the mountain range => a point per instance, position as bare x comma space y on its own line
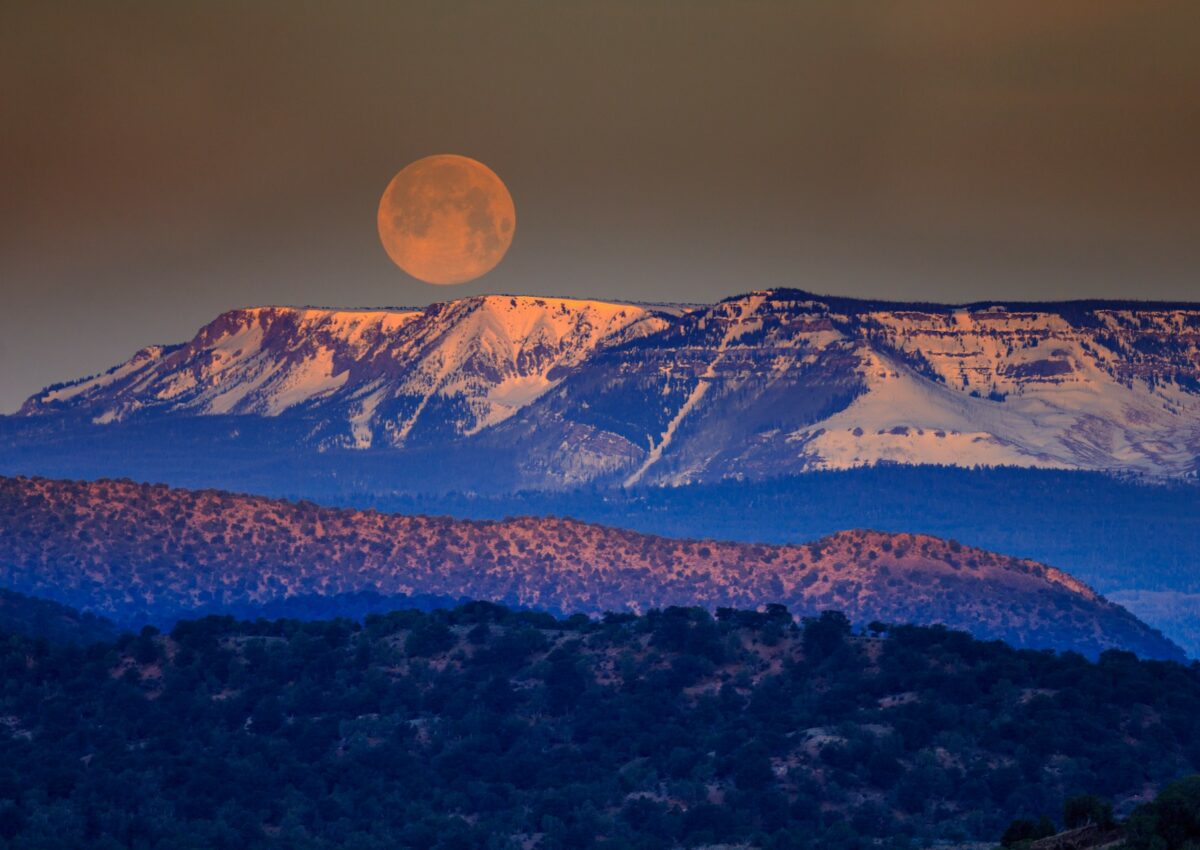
141, 551
503, 393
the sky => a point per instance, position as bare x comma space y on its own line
163, 162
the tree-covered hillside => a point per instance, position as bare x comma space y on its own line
481, 727
1137, 542
159, 553
29, 616
1113, 533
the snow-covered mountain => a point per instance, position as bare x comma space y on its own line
376, 375
780, 382
769, 383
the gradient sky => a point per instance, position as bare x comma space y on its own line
162, 162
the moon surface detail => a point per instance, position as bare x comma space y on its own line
446, 219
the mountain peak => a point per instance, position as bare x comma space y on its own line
486, 356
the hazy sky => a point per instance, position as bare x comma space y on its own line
162, 162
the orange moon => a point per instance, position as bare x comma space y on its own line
446, 219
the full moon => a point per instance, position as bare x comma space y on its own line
446, 219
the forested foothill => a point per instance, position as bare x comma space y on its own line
152, 553
484, 727
1171, 821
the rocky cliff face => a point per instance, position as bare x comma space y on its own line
770, 383
139, 550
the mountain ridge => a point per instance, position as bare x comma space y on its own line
136, 550
576, 391
270, 360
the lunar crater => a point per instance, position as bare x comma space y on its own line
446, 219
